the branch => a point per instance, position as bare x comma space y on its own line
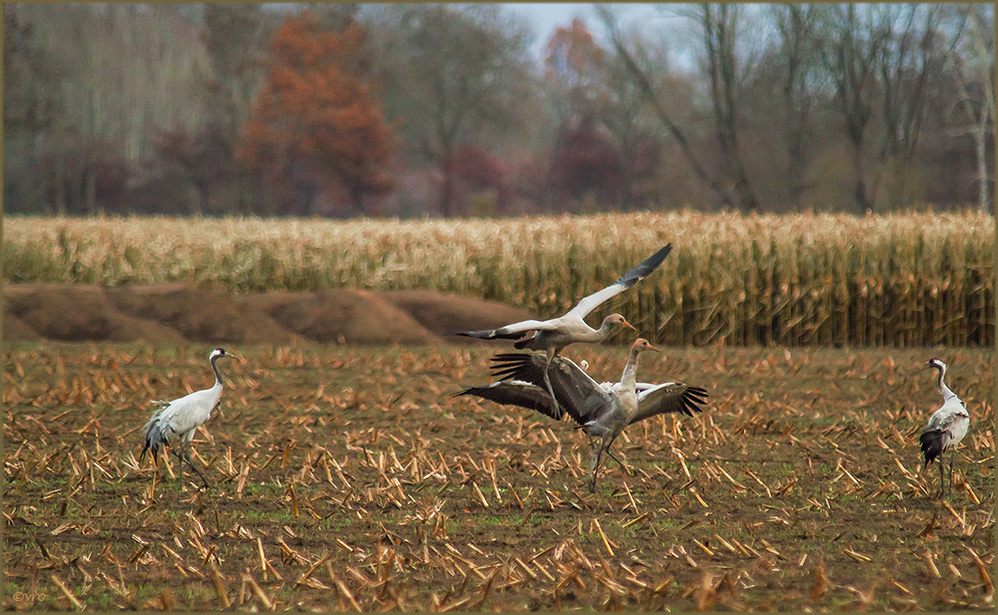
648, 93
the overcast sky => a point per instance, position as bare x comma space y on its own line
546, 17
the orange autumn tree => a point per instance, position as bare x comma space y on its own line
314, 124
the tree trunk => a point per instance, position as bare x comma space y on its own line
980, 143
649, 94
90, 187
60, 184
447, 190
860, 198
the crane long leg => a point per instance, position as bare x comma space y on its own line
197, 471
594, 465
952, 457
612, 456
942, 481
180, 458
617, 460
598, 460
187, 457
547, 380
184, 456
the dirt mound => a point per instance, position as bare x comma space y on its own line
16, 330
209, 316
351, 317
445, 314
74, 313
176, 312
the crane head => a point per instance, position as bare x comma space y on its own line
616, 320
219, 353
936, 364
641, 344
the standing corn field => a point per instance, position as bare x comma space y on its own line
899, 280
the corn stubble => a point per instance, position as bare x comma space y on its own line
348, 479
898, 280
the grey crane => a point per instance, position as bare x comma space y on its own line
555, 334
602, 411
176, 421
947, 427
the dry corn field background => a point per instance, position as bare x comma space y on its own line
830, 280
348, 478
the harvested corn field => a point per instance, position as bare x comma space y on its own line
348, 478
830, 280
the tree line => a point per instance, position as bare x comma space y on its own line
417, 110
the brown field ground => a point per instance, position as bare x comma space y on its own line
348, 478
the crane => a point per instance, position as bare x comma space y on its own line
602, 411
947, 427
555, 334
181, 417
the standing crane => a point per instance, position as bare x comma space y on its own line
181, 417
555, 334
947, 427
602, 411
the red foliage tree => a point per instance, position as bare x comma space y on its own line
575, 66
315, 124
586, 161
476, 170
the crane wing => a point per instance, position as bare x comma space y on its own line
629, 279
943, 418
516, 393
510, 332
670, 397
186, 413
578, 394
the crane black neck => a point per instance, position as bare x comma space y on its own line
941, 373
218, 374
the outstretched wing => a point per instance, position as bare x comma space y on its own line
515, 393
629, 279
670, 397
509, 332
577, 393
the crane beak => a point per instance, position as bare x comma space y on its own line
650, 347
628, 325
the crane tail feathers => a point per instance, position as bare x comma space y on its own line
155, 438
931, 442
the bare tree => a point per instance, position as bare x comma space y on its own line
626, 116
911, 60
796, 60
642, 74
853, 40
235, 38
973, 69
459, 71
719, 35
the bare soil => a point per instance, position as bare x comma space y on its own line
350, 478
173, 313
